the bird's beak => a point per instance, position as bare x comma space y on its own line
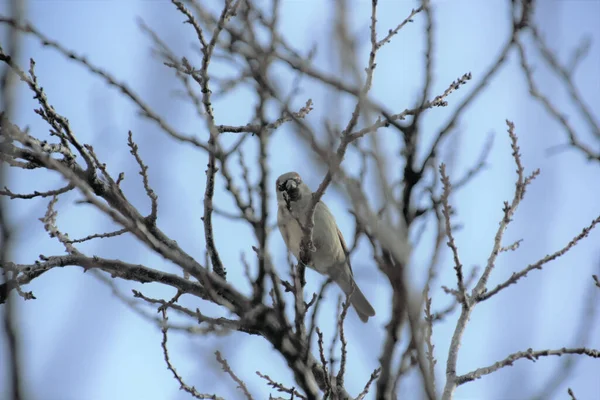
291, 184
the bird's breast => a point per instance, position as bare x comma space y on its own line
291, 231
328, 250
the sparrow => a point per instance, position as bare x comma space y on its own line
330, 255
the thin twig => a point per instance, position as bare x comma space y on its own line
528, 354
539, 264
227, 369
182, 385
447, 211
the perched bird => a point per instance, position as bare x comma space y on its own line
331, 253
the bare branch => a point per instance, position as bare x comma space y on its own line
480, 287
344, 342
203, 79
49, 193
109, 79
98, 236
372, 378
281, 388
528, 354
182, 385
551, 109
227, 369
447, 211
428, 341
144, 173
539, 264
509, 210
392, 32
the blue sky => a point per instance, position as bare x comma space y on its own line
79, 341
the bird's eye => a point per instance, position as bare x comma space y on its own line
281, 187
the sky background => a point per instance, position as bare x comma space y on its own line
79, 341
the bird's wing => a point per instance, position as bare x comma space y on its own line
345, 248
324, 207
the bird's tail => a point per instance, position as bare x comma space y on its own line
358, 300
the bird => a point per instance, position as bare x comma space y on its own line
330, 255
